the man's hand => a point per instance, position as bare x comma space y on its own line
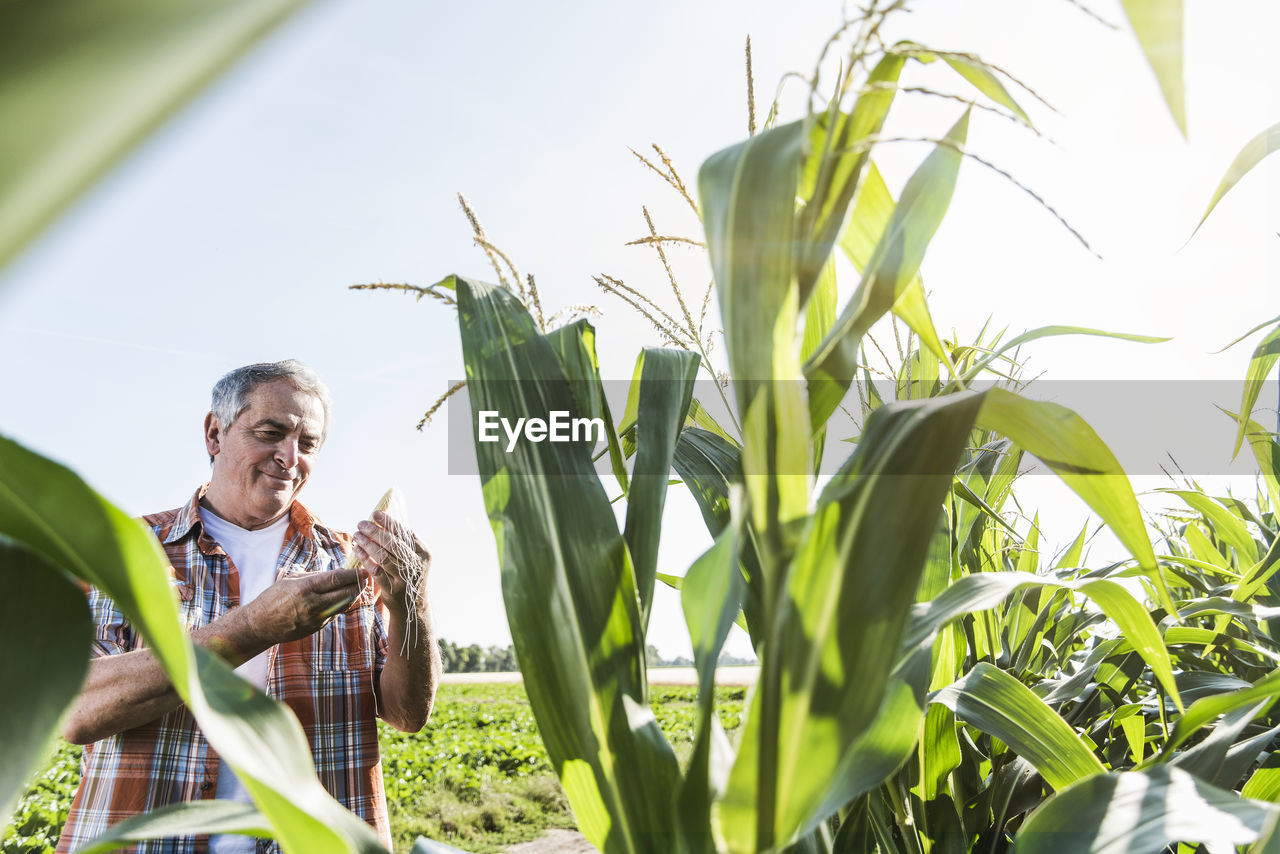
397, 560
296, 607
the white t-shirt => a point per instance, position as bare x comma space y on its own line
254, 555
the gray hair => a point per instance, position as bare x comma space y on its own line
231, 393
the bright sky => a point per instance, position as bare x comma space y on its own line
332, 155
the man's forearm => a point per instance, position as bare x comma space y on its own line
411, 673
130, 689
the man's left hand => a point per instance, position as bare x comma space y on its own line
393, 555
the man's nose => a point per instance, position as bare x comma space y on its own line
287, 453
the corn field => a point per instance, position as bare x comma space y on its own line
930, 681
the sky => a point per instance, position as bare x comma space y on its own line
332, 155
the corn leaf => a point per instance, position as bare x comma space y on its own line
84, 83
569, 587
1000, 705
892, 268
984, 77
53, 512
982, 591
41, 610
666, 386
699, 417
1227, 527
422, 845
1260, 365
1141, 812
709, 597
1264, 783
709, 466
575, 347
1206, 709
1047, 332
843, 619
1158, 26
1266, 450
1223, 757
1065, 443
748, 201
819, 311
872, 213
838, 152
1254, 151
193, 817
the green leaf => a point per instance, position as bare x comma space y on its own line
1158, 26
699, 417
1206, 709
888, 273
1266, 451
981, 591
838, 153
86, 83
819, 311
1066, 443
1219, 759
40, 611
1000, 705
709, 597
1226, 526
47, 507
1265, 143
666, 386
824, 676
748, 201
1048, 332
182, 819
986, 82
709, 465
575, 346
984, 77
569, 587
872, 213
429, 846
1264, 783
1140, 812
1260, 365
1074, 553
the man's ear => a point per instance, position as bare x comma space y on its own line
212, 434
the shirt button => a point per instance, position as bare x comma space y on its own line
206, 786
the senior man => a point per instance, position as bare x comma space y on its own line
260, 580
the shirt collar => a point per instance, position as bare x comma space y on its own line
301, 523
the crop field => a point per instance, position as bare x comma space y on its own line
477, 776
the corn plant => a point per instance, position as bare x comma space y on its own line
925, 684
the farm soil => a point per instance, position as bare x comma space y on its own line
554, 842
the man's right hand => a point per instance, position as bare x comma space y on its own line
128, 689
297, 606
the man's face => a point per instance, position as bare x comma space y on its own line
262, 460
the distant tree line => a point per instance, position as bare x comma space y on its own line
502, 659
725, 659
477, 659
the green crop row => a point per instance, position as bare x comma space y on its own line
479, 748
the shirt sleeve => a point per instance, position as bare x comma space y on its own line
380, 616
112, 633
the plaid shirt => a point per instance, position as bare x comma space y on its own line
325, 679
